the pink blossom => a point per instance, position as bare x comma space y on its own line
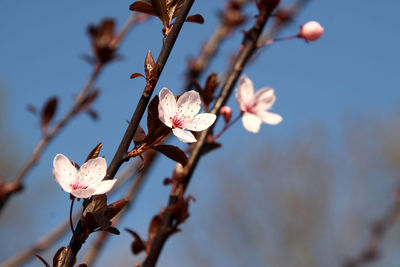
85, 182
226, 111
182, 115
255, 105
311, 31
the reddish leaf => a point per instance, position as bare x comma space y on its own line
160, 6
208, 147
138, 245
47, 113
150, 67
95, 152
112, 230
114, 208
197, 18
153, 228
139, 136
101, 38
135, 75
98, 203
172, 152
59, 257
143, 7
42, 260
157, 130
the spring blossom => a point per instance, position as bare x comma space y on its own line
311, 31
85, 182
255, 105
182, 115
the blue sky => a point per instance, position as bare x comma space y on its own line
352, 71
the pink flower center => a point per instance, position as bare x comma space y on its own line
249, 109
177, 122
76, 186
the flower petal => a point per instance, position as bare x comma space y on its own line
83, 193
64, 172
200, 122
264, 99
92, 172
251, 122
104, 187
184, 136
269, 117
188, 104
245, 93
166, 106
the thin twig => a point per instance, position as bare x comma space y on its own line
248, 47
208, 51
80, 99
377, 233
120, 155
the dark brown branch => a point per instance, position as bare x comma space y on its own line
249, 46
169, 41
79, 101
378, 232
120, 156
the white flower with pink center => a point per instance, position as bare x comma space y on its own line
85, 182
182, 115
255, 105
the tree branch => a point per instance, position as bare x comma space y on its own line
248, 47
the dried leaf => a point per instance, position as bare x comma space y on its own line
47, 113
197, 18
95, 152
172, 152
42, 260
136, 74
59, 256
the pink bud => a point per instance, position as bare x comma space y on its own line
226, 111
311, 31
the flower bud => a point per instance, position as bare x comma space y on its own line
226, 111
311, 31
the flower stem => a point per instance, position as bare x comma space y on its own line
227, 126
70, 214
268, 42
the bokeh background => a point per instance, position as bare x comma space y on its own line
303, 193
